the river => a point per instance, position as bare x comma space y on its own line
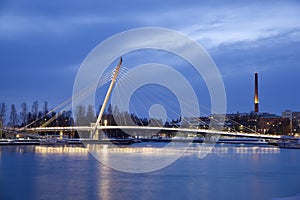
227, 172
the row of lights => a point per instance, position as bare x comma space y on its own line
60, 150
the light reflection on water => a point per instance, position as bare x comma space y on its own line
140, 158
149, 150
228, 172
194, 149
61, 150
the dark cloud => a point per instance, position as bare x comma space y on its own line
43, 43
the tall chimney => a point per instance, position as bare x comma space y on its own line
256, 93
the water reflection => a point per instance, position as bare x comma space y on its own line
137, 159
143, 151
222, 150
148, 157
257, 150
61, 150
49, 172
63, 168
105, 183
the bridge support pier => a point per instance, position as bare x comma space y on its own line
211, 138
96, 135
61, 134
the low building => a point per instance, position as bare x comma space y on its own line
267, 123
294, 118
296, 122
273, 125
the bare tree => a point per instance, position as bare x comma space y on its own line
80, 115
2, 112
35, 110
13, 116
23, 114
109, 109
46, 110
90, 115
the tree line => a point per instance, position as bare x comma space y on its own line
85, 115
33, 116
37, 115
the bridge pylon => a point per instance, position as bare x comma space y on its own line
113, 81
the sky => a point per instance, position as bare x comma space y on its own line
43, 43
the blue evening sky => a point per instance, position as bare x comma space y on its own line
42, 44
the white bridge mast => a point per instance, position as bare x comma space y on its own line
114, 78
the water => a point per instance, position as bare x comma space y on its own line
228, 172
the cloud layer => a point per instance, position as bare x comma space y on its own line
242, 37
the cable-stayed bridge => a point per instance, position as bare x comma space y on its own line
94, 129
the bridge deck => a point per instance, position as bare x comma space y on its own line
186, 130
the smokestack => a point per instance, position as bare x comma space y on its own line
256, 93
